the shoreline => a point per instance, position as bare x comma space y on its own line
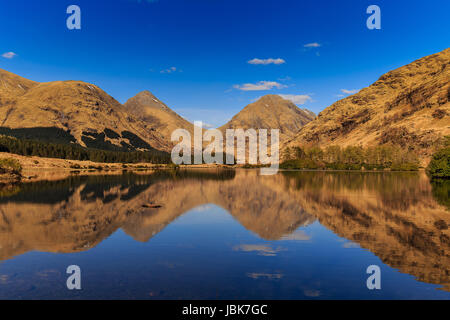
38, 168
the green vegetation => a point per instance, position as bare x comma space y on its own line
96, 140
441, 191
44, 134
111, 134
76, 152
350, 158
439, 166
136, 141
92, 140
253, 166
10, 165
98, 186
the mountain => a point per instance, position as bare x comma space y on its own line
71, 112
271, 112
146, 107
12, 85
407, 107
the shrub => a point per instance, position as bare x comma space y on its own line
439, 114
12, 165
439, 166
407, 166
441, 191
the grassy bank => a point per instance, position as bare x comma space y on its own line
350, 158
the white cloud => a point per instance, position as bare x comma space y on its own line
169, 70
260, 249
267, 61
311, 293
312, 45
298, 235
269, 276
297, 98
260, 86
9, 55
204, 207
352, 91
349, 245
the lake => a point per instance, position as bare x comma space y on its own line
226, 234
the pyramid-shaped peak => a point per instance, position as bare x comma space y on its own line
144, 93
270, 97
146, 99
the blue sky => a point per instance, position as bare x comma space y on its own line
194, 54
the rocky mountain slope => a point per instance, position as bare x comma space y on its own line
271, 112
71, 112
146, 107
408, 107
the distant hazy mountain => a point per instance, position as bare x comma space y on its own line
271, 112
408, 107
71, 112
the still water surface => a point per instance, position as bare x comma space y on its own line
227, 234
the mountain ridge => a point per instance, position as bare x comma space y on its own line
408, 107
76, 107
271, 112
150, 109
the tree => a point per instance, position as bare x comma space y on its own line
439, 166
299, 153
287, 154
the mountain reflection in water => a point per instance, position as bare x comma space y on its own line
399, 217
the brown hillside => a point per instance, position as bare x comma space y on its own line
409, 107
12, 85
82, 109
271, 112
146, 107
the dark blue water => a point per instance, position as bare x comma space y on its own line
226, 236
